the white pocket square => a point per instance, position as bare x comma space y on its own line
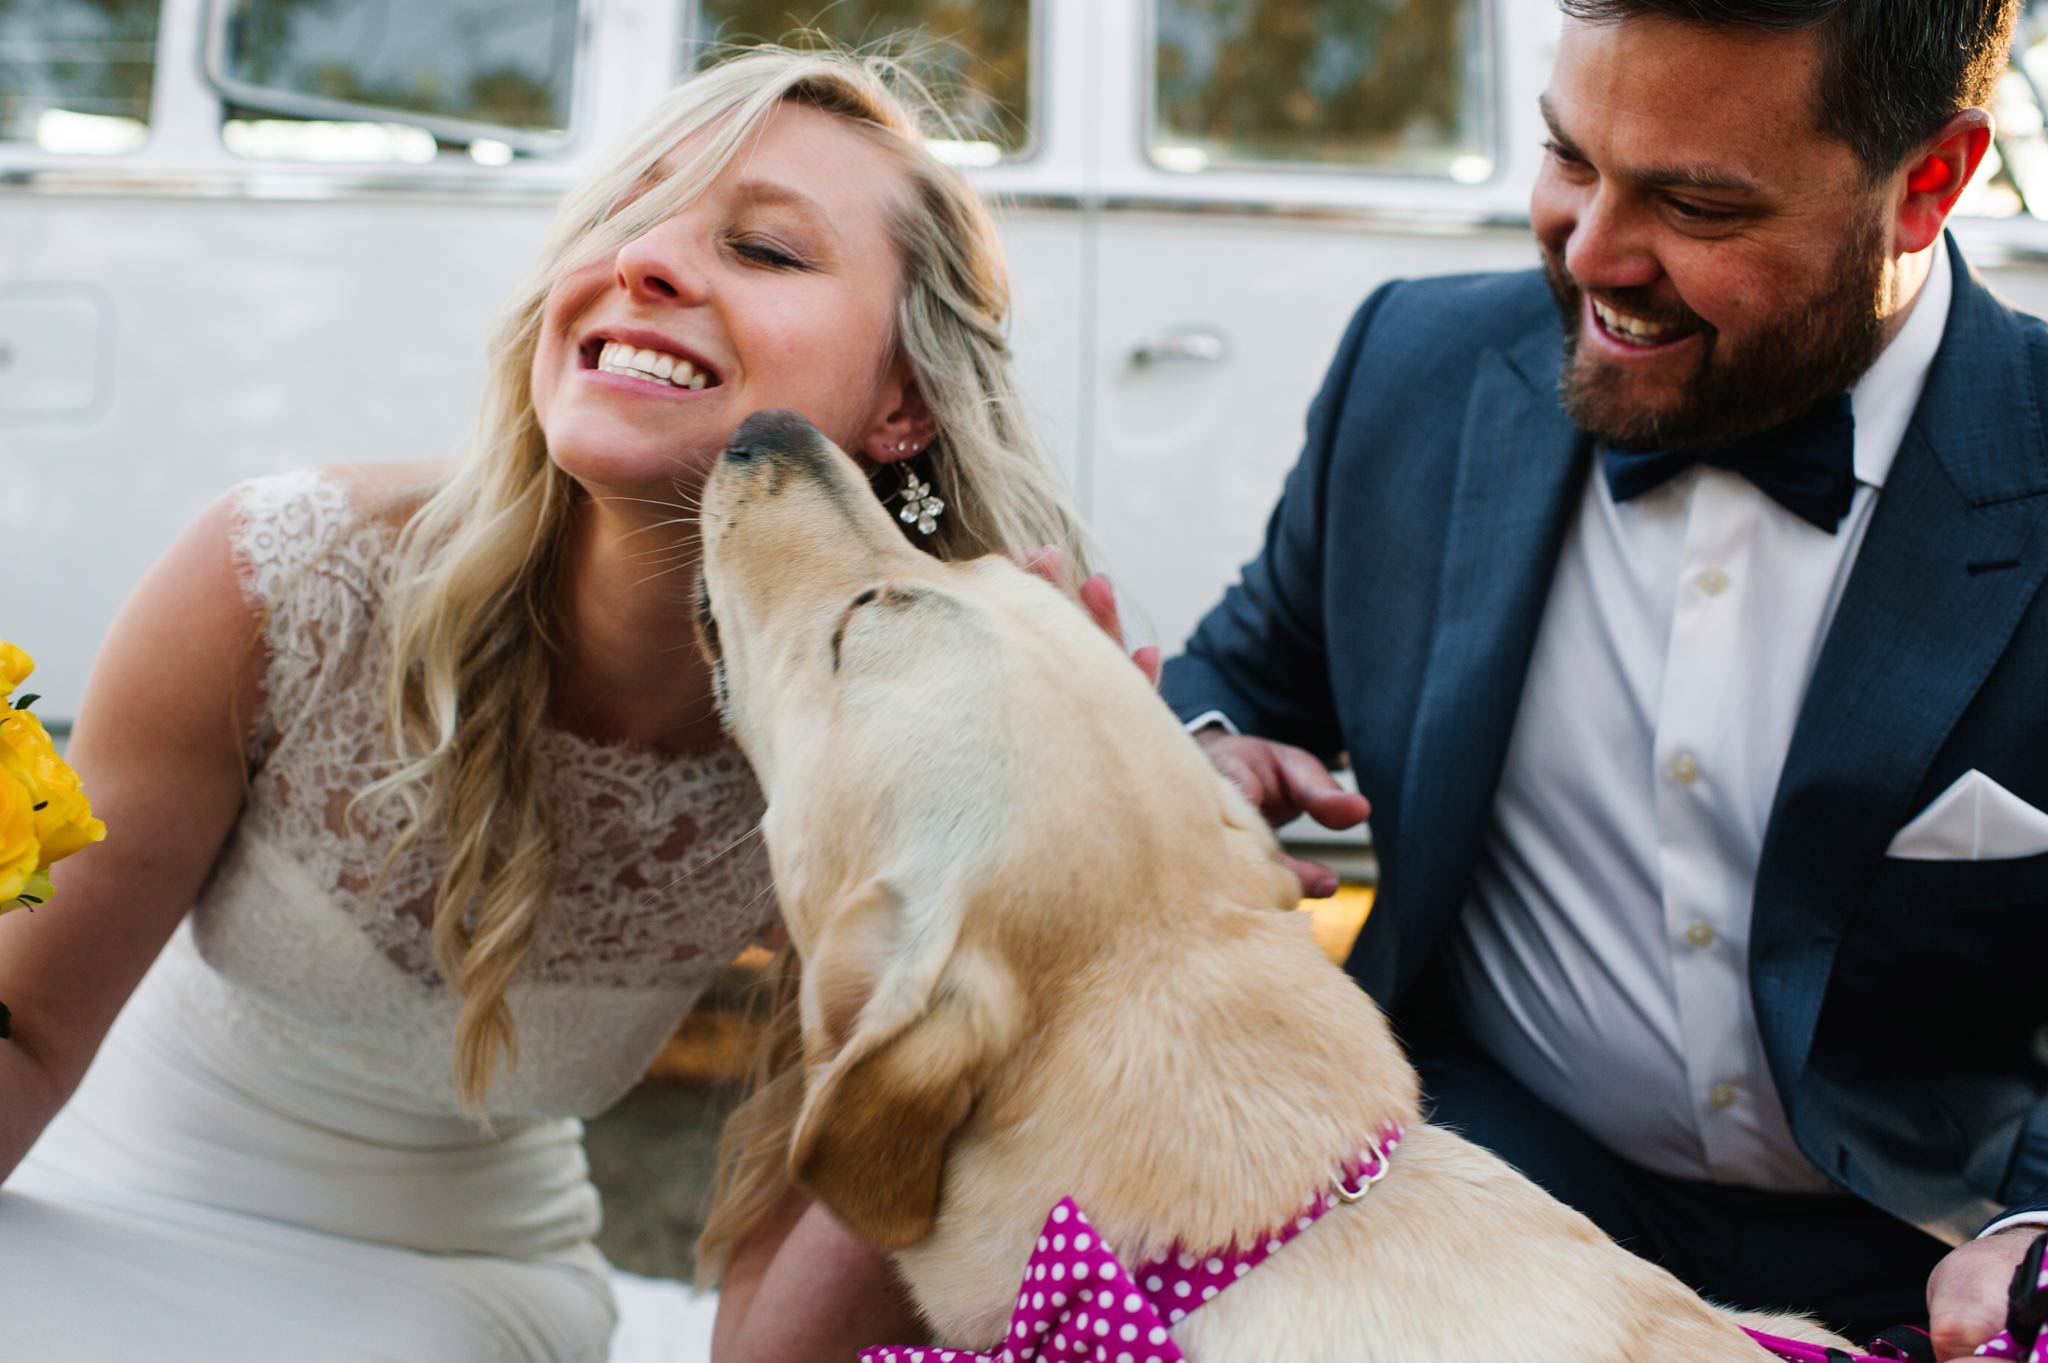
1976, 819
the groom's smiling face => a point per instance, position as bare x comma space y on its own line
1720, 263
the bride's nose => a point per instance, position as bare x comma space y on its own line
662, 266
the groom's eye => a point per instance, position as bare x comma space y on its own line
1701, 215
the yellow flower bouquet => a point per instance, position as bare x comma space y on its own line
44, 816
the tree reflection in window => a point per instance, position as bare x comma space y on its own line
1395, 84
503, 62
67, 63
975, 54
2013, 179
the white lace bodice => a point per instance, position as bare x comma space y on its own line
663, 878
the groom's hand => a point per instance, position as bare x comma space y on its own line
1284, 782
1966, 1296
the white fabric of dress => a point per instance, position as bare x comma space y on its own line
267, 1160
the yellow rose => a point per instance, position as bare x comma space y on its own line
62, 815
44, 815
15, 666
20, 851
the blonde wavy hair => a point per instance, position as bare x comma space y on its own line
473, 615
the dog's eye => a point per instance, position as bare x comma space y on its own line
839, 630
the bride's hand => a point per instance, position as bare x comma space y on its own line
1100, 599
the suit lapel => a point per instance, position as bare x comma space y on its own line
1948, 566
1520, 464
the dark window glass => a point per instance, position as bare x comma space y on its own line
976, 54
75, 75
507, 63
1398, 85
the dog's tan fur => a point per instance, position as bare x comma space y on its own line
1046, 955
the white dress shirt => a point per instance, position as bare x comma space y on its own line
1603, 953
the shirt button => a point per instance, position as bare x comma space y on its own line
1721, 1097
1683, 769
1713, 582
1700, 933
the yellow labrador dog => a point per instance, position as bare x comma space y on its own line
1047, 954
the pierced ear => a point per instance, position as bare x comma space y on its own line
906, 426
905, 1026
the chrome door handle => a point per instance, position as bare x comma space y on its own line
1197, 345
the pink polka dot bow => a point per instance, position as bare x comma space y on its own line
2003, 1345
1079, 1304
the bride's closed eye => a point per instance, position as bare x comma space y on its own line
763, 251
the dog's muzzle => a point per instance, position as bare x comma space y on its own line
774, 434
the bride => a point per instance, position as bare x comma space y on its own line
422, 833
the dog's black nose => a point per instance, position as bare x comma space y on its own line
777, 431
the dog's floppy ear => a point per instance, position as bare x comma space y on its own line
902, 1024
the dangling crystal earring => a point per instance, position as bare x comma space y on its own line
920, 508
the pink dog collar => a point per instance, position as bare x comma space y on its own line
1079, 1304
1799, 1351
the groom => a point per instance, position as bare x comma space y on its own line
1695, 659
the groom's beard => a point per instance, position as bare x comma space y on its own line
1812, 347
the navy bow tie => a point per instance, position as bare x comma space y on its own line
1807, 466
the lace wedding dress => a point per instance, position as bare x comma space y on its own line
267, 1159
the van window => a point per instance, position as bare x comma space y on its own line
975, 54
1388, 85
458, 69
2013, 181
75, 75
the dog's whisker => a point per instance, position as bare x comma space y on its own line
755, 900
654, 893
686, 541
751, 835
667, 557
662, 572
622, 497
685, 518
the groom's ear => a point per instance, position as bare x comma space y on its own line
902, 1026
1929, 182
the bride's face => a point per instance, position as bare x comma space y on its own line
776, 287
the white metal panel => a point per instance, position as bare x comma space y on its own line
2008, 256
1048, 339
54, 341
243, 337
1190, 454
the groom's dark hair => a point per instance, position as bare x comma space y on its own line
1892, 72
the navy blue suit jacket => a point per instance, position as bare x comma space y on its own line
1391, 615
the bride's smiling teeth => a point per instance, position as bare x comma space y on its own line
1632, 329
619, 358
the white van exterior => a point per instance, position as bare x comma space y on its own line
177, 314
